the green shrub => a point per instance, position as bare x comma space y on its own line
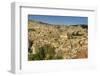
44, 52
31, 29
59, 57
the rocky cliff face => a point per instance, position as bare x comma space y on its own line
48, 41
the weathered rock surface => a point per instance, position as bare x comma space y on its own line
64, 42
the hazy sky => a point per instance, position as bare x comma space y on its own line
59, 19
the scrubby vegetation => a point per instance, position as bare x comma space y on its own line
48, 41
43, 52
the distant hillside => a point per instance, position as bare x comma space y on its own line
82, 25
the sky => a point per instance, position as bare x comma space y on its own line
65, 20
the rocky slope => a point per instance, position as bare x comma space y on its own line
48, 41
